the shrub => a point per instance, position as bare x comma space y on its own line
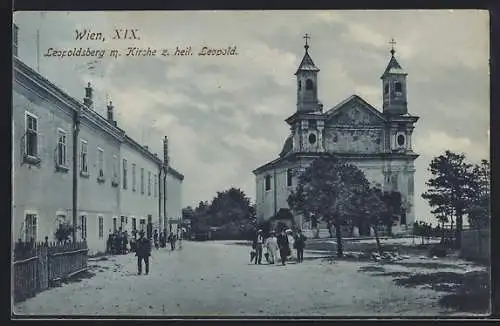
438, 251
64, 232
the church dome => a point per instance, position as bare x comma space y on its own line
287, 147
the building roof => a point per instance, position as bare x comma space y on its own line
288, 146
393, 68
307, 64
93, 115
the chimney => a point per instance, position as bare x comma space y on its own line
15, 32
146, 147
110, 112
165, 150
88, 96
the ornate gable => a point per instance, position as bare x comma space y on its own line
354, 111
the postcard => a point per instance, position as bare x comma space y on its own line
232, 164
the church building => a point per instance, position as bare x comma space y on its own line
378, 142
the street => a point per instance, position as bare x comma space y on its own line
217, 279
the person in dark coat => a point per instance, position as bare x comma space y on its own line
155, 239
171, 240
300, 244
143, 251
258, 243
283, 246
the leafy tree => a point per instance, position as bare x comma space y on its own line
378, 208
228, 206
451, 187
328, 189
479, 207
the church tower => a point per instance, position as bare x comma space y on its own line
394, 87
307, 83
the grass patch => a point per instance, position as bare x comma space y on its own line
393, 274
428, 265
371, 269
468, 292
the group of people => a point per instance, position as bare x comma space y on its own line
117, 243
161, 239
284, 243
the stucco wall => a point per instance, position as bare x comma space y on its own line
376, 171
134, 204
97, 198
40, 189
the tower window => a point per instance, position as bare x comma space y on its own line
386, 89
289, 176
312, 138
268, 182
300, 85
398, 87
401, 140
309, 84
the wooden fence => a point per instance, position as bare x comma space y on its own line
38, 266
476, 244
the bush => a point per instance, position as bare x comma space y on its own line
64, 232
438, 251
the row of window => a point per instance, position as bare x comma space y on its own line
31, 152
289, 179
31, 225
134, 179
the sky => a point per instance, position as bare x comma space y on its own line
224, 115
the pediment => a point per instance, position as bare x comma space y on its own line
354, 111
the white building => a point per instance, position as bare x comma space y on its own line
71, 164
378, 142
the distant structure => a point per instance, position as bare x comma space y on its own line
72, 164
380, 143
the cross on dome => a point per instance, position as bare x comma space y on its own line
306, 37
392, 43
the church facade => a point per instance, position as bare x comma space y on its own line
378, 142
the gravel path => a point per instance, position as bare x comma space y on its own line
216, 279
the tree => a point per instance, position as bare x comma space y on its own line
378, 208
327, 189
229, 206
451, 187
478, 210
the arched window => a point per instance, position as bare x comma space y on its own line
268, 182
309, 84
386, 89
300, 85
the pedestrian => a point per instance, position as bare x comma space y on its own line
258, 244
283, 246
143, 251
300, 244
171, 240
109, 243
272, 247
291, 242
155, 239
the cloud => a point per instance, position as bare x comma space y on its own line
224, 116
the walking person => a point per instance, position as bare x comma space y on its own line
272, 247
291, 242
258, 244
143, 251
300, 244
171, 240
283, 246
155, 239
